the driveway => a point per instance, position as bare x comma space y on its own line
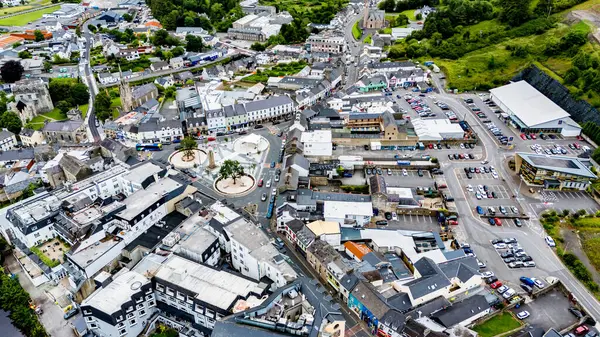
548, 311
52, 318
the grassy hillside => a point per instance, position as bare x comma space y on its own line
485, 54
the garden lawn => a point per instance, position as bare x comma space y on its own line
497, 325
10, 10
368, 39
84, 110
55, 114
410, 14
23, 19
37, 122
591, 245
356, 32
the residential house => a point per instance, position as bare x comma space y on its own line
463, 313
372, 83
130, 54
447, 279
158, 66
176, 62
107, 78
31, 138
165, 82
8, 140
168, 130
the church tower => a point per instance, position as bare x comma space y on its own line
365, 14
125, 92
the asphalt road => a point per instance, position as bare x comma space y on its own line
90, 81
478, 233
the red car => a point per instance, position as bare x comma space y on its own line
260, 183
496, 285
582, 330
533, 136
579, 138
498, 222
430, 146
212, 139
453, 222
523, 136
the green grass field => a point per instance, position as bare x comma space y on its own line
23, 19
10, 10
368, 39
474, 70
356, 32
497, 325
55, 114
410, 14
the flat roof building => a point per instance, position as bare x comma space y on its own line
532, 112
554, 172
437, 129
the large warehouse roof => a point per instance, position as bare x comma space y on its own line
437, 129
528, 104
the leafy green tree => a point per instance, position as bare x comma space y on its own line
92, 28
63, 106
188, 145
231, 169
178, 51
102, 106
80, 94
193, 43
189, 21
127, 17
11, 71
258, 46
24, 54
387, 5
39, 36
515, 12
11, 121
419, 16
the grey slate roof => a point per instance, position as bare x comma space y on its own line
370, 299
387, 65
464, 268
143, 90
13, 155
461, 311
268, 103
400, 301
299, 160
64, 126
26, 132
432, 279
394, 320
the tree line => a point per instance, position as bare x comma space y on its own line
15, 300
196, 13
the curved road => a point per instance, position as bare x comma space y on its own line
90, 81
479, 233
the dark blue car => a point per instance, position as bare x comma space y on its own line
491, 220
272, 164
480, 210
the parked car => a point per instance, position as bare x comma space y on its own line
550, 241
527, 288
496, 284
491, 280
523, 314
381, 223
576, 312
581, 330
71, 313
498, 222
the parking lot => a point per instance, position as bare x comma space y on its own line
548, 311
573, 201
413, 222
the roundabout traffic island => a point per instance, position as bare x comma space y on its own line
240, 186
183, 160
